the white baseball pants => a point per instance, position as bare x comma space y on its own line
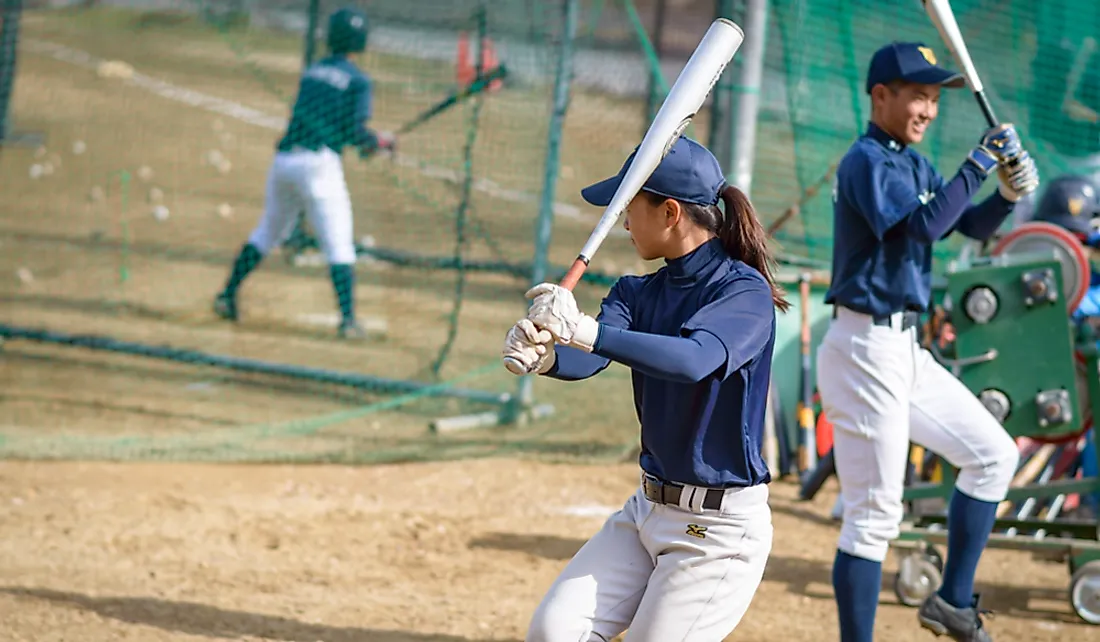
668, 573
881, 390
311, 182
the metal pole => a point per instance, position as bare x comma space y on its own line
652, 99
748, 100
311, 32
545, 222
721, 107
9, 37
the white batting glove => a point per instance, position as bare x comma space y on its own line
531, 347
1017, 177
555, 309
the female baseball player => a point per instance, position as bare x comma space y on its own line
878, 386
683, 558
333, 106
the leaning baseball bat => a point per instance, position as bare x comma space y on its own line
807, 447
684, 99
943, 17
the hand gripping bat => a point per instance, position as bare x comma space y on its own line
692, 86
943, 17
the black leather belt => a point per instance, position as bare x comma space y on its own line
909, 319
659, 491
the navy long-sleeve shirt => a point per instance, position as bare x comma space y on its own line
890, 206
698, 335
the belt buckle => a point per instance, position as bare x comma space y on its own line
656, 489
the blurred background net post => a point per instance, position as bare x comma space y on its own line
138, 135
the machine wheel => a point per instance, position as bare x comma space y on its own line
919, 575
1084, 592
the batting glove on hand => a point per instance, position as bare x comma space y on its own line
1018, 176
555, 309
998, 145
531, 347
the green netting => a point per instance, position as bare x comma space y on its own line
159, 120
1034, 58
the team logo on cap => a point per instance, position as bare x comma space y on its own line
1076, 205
928, 54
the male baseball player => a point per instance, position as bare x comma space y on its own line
683, 558
1073, 202
331, 112
878, 386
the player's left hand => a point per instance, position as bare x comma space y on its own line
1018, 176
554, 308
531, 347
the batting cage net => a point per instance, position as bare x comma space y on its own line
1038, 61
159, 121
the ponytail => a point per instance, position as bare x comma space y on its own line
740, 231
745, 239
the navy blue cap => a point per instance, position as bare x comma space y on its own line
912, 62
688, 173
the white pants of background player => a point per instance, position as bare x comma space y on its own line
311, 182
668, 573
881, 389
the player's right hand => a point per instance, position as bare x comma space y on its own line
531, 347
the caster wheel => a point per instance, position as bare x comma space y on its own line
1084, 592
932, 554
918, 576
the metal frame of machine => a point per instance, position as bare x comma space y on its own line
1044, 386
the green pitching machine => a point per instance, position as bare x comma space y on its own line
1017, 349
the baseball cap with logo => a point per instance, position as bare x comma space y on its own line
911, 62
688, 173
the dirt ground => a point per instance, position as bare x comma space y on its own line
400, 552
437, 552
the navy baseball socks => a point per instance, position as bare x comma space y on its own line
225, 305
953, 610
856, 584
343, 281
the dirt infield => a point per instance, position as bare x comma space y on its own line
437, 552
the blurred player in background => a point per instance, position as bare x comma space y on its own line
1073, 202
331, 112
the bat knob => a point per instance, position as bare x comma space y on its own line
515, 367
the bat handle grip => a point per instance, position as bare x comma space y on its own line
987, 109
573, 275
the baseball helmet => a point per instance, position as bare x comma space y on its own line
1071, 202
347, 31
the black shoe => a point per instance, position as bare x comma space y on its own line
963, 625
225, 306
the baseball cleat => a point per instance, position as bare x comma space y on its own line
963, 625
225, 307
